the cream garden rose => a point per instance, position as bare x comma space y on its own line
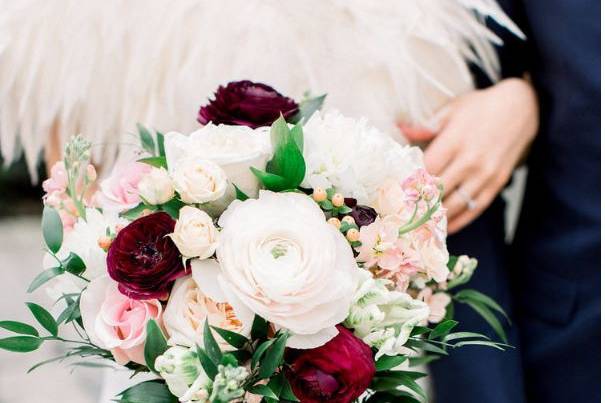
234, 148
189, 307
198, 180
156, 186
194, 233
281, 260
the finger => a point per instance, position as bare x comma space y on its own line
486, 197
454, 174
440, 152
416, 134
456, 203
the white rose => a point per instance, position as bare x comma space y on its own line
233, 148
189, 307
194, 233
354, 157
281, 260
199, 180
156, 186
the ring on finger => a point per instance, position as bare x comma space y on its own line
471, 203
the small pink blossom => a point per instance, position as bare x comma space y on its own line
57, 182
437, 303
381, 245
116, 322
119, 192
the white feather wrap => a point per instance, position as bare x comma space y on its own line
99, 66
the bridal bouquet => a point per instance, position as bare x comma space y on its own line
276, 254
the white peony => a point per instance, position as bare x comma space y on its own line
156, 186
194, 233
234, 148
281, 260
198, 180
384, 318
353, 156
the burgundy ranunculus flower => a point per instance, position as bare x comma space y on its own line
143, 259
245, 103
337, 372
363, 215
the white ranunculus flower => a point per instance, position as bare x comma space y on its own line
194, 233
353, 156
189, 307
384, 318
199, 180
281, 260
156, 186
233, 148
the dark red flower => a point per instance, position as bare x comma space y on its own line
363, 215
337, 372
245, 103
143, 259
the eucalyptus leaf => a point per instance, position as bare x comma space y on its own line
146, 139
44, 318
20, 344
44, 277
19, 327
52, 229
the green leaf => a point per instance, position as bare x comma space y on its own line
425, 346
326, 205
136, 212
239, 194
260, 327
256, 356
271, 181
20, 344
210, 345
442, 329
288, 161
70, 312
155, 344
44, 318
148, 392
488, 316
420, 330
173, 207
287, 392
18, 327
74, 264
45, 276
158, 162
160, 141
234, 339
274, 356
387, 362
344, 209
263, 390
477, 296
146, 139
307, 107
464, 335
52, 229
210, 367
229, 360
423, 360
297, 135
487, 343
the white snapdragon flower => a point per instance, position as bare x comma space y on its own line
342, 152
179, 367
383, 318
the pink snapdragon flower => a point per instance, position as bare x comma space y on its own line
437, 303
57, 182
119, 192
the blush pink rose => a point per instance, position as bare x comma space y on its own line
116, 322
120, 191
